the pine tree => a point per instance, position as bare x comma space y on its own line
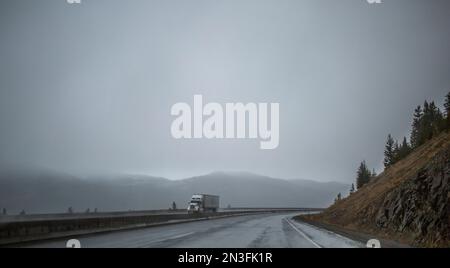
363, 175
415, 132
396, 157
403, 150
428, 122
440, 121
426, 128
426, 107
436, 120
405, 144
406, 147
352, 189
447, 104
389, 152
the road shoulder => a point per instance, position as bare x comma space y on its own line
353, 235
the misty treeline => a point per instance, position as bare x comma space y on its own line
428, 122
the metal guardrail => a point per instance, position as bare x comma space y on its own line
81, 215
90, 215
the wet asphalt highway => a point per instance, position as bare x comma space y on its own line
250, 231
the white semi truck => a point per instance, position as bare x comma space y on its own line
203, 203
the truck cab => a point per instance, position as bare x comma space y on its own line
195, 205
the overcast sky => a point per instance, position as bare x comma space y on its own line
90, 86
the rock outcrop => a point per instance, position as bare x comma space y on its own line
420, 206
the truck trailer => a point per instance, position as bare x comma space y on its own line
203, 203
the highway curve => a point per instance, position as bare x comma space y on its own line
251, 231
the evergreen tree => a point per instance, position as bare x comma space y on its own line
415, 132
426, 107
436, 120
352, 189
426, 128
440, 123
428, 122
406, 147
403, 150
396, 153
363, 175
389, 152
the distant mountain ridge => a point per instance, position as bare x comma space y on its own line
50, 192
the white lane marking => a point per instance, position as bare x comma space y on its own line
179, 236
358, 244
171, 238
302, 233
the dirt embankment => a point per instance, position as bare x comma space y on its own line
409, 202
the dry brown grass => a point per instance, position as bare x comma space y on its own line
358, 211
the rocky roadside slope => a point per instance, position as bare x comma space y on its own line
409, 202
